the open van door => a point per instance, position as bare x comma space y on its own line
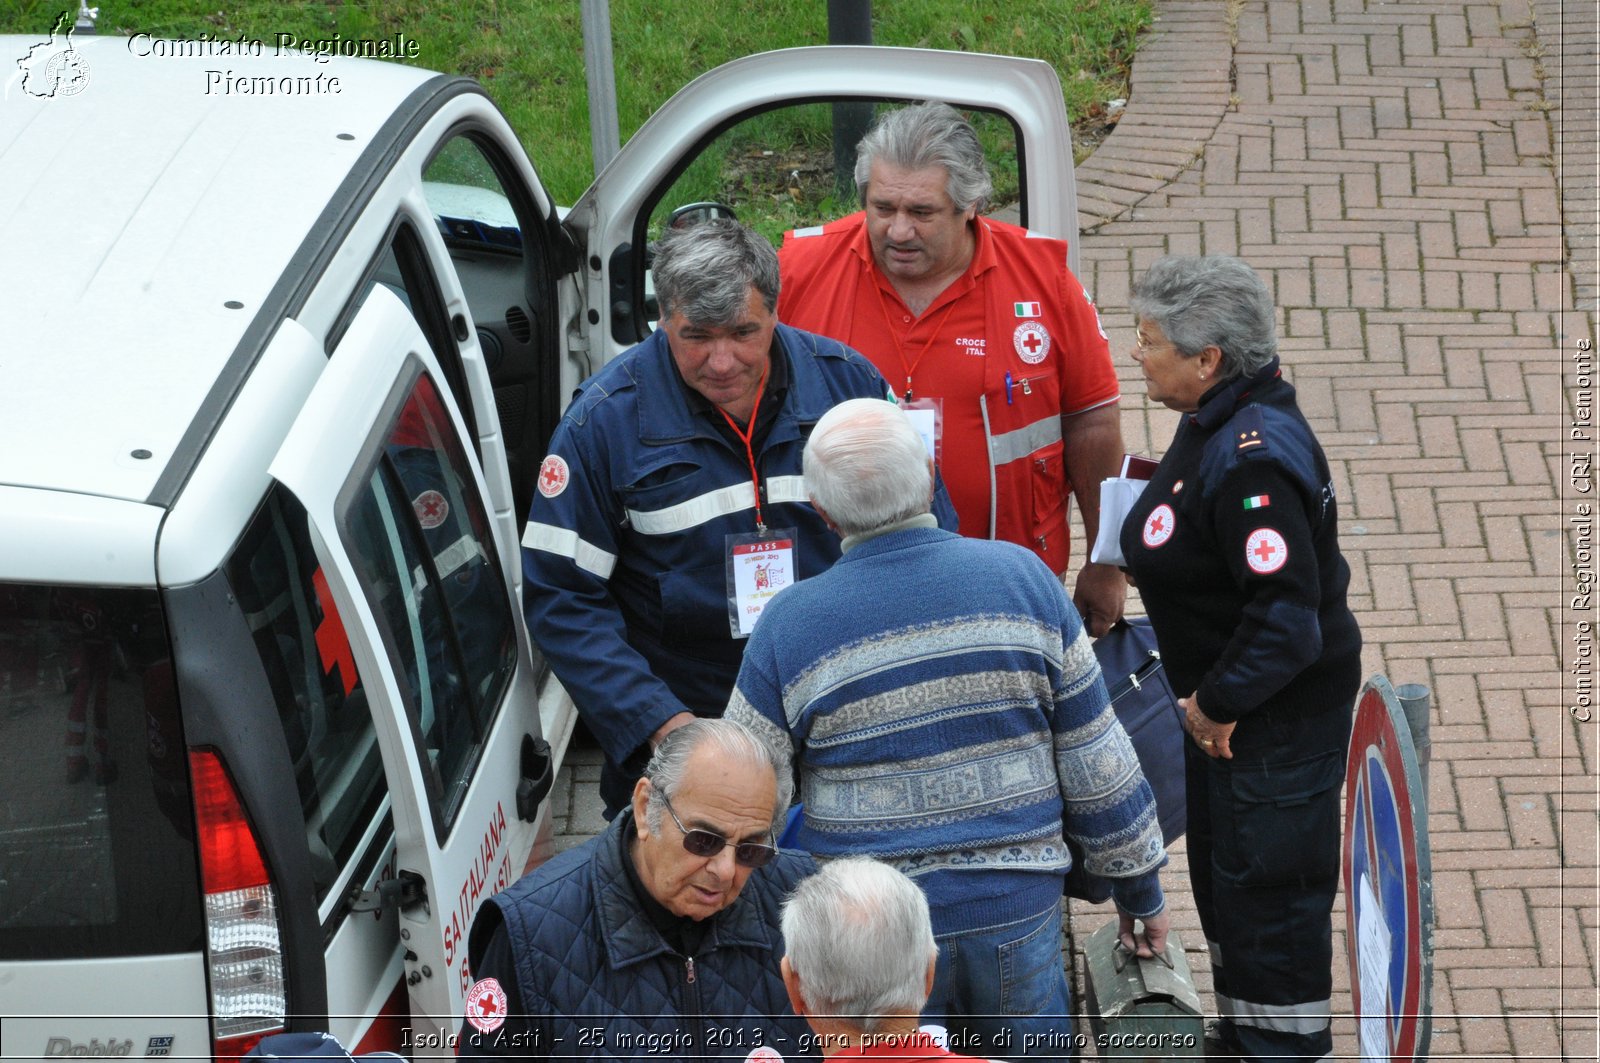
612, 219
396, 505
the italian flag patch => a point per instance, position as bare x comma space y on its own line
1027, 309
1257, 502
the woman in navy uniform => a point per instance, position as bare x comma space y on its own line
1234, 548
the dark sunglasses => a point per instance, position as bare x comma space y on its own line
706, 844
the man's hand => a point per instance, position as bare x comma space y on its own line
1210, 736
1151, 941
673, 723
1100, 595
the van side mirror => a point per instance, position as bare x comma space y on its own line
691, 214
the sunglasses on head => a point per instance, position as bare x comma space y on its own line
705, 844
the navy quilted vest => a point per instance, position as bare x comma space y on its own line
607, 986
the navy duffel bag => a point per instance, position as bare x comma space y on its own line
1145, 703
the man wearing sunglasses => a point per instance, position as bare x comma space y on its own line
660, 937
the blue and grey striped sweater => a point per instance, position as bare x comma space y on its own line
947, 714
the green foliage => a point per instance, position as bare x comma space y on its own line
529, 55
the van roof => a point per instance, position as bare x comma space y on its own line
150, 208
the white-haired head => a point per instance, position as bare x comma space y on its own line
866, 467
859, 944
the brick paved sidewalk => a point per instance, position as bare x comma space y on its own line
1392, 169
1400, 172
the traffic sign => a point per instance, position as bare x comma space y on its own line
1388, 882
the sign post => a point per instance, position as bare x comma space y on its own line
1388, 882
604, 139
849, 22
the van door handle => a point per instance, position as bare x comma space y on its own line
538, 777
405, 891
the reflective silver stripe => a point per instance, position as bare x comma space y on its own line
810, 230
449, 559
695, 512
1307, 1018
722, 502
1216, 953
565, 543
1010, 446
787, 489
988, 441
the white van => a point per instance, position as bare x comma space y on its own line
281, 343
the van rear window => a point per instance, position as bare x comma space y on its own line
322, 703
96, 829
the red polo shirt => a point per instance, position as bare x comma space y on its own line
910, 1048
944, 352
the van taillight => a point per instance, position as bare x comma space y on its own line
249, 997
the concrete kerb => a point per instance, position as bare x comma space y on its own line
1181, 87
1566, 37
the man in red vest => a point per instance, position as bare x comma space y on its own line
988, 340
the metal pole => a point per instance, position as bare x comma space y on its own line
604, 137
849, 22
1415, 699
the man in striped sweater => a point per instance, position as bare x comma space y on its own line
946, 715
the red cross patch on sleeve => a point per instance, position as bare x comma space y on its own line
553, 476
1158, 527
1265, 551
486, 1005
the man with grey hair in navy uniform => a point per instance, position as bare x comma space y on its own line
676, 468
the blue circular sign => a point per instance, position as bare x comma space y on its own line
1388, 881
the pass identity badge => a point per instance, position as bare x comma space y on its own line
759, 566
927, 417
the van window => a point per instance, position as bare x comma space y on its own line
501, 250
97, 851
777, 169
403, 267
322, 705
418, 535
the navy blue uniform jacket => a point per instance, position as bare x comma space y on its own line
1234, 546
624, 552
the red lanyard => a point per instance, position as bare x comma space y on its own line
910, 367
744, 437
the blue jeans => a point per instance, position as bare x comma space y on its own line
1001, 991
